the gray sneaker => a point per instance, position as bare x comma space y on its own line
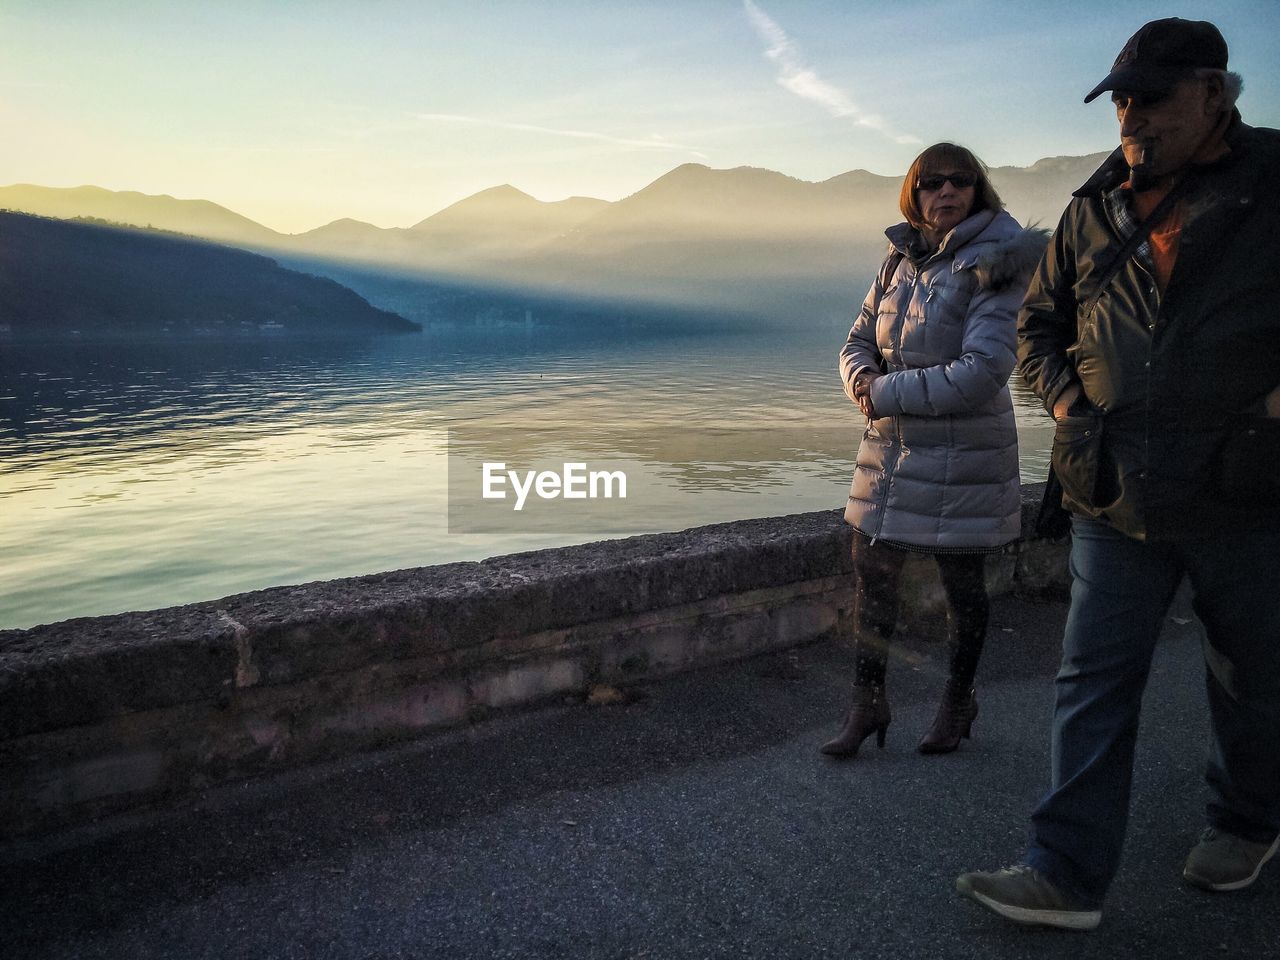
1223, 861
1024, 895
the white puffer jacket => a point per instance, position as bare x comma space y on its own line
937, 470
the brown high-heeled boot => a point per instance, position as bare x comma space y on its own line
869, 714
954, 720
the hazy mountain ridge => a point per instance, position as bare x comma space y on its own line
200, 218
758, 241
498, 224
63, 276
742, 239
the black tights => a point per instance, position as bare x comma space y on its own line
877, 571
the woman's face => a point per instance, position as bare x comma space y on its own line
944, 202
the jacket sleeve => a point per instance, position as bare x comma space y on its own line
970, 380
1047, 320
860, 351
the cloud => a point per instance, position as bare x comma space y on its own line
796, 76
655, 143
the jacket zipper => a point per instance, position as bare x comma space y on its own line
1156, 298
892, 464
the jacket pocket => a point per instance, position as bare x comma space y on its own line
1249, 462
1077, 456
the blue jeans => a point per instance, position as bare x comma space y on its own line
1120, 593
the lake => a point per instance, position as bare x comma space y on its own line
135, 476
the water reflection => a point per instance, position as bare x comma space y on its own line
141, 475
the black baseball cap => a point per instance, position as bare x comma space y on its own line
1162, 53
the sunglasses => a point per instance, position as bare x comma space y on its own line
934, 181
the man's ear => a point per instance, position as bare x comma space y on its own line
1215, 94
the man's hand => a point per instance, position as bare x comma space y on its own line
1273, 403
862, 392
1065, 400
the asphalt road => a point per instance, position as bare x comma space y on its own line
697, 821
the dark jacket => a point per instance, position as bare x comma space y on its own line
1167, 377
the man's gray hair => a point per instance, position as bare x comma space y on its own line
1232, 83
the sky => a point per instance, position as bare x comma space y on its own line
299, 113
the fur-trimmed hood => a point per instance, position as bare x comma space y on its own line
990, 243
1012, 260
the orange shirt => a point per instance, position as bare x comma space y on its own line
1165, 236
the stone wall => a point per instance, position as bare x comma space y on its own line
107, 713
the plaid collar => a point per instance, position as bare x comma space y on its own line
1117, 203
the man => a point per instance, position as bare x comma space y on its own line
1156, 361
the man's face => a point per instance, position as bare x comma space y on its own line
1174, 124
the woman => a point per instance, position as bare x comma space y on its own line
927, 363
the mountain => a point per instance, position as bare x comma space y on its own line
349, 240
1039, 193
696, 203
493, 226
757, 241
199, 218
61, 276
503, 221
745, 239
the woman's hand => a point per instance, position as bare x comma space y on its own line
862, 392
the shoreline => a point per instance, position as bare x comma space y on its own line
105, 714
